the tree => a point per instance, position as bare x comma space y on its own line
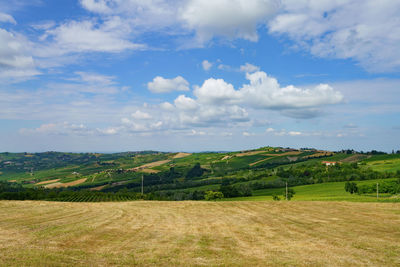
290, 193
196, 171
351, 187
276, 197
211, 195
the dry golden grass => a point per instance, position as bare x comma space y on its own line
48, 182
181, 155
58, 185
199, 234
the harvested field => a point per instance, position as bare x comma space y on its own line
199, 234
226, 157
354, 158
152, 164
292, 158
181, 155
290, 153
250, 153
48, 182
12, 181
97, 188
258, 161
58, 185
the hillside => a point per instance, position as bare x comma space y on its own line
188, 176
199, 234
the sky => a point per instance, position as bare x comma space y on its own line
199, 75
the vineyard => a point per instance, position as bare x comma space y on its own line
97, 197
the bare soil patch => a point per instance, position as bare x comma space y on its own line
152, 164
181, 155
48, 181
97, 188
58, 185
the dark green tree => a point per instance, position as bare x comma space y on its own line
351, 187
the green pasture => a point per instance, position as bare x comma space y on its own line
319, 192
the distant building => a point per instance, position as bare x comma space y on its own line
329, 163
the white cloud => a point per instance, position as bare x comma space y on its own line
90, 36
167, 106
140, 115
294, 133
206, 65
264, 92
227, 18
185, 103
163, 85
7, 18
97, 6
367, 31
247, 134
249, 68
59, 129
15, 61
216, 91
94, 78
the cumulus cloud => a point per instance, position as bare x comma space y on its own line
223, 18
163, 85
264, 92
216, 91
227, 18
367, 31
206, 65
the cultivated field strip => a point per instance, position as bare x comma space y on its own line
199, 234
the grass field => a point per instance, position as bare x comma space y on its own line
199, 234
319, 192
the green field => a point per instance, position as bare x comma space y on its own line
321, 192
250, 175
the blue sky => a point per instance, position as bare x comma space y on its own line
195, 75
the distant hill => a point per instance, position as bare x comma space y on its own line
180, 176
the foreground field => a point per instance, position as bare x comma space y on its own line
199, 233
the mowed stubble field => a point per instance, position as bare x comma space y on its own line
199, 234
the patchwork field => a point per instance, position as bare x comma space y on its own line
199, 234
